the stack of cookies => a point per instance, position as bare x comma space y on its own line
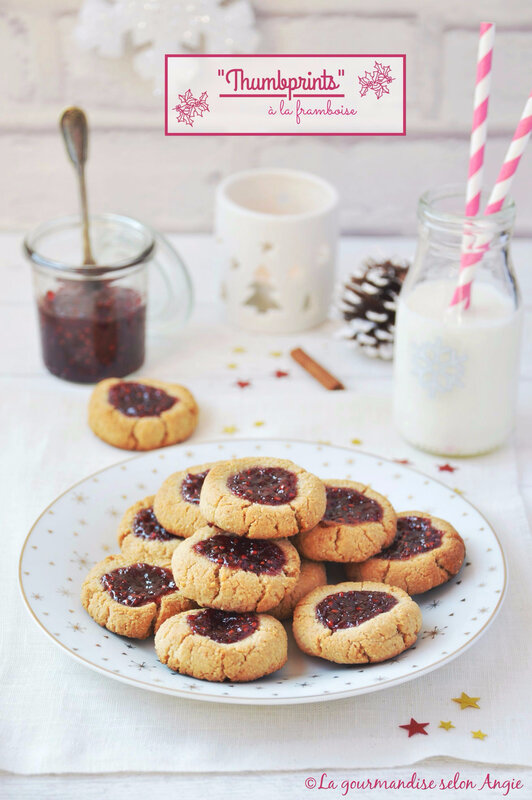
226, 550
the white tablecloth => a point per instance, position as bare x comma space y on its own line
59, 717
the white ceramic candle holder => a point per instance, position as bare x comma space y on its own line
277, 231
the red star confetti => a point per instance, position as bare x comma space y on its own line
446, 468
414, 727
281, 373
243, 384
401, 461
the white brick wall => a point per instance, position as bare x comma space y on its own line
170, 182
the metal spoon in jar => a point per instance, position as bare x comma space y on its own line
75, 130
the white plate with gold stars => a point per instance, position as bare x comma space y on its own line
79, 529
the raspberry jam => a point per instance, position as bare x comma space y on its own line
138, 584
346, 506
140, 400
225, 627
252, 555
191, 486
349, 609
414, 535
271, 486
91, 332
147, 526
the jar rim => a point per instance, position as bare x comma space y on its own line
428, 210
74, 220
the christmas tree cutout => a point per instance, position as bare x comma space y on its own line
261, 298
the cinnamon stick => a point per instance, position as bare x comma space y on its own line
316, 370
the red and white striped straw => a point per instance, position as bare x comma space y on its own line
496, 201
479, 133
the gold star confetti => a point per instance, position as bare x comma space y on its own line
266, 246
259, 423
356, 441
445, 725
466, 702
276, 353
479, 735
235, 263
457, 491
232, 366
80, 498
230, 429
239, 349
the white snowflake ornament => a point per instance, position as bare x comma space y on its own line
156, 27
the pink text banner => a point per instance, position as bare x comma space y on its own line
269, 95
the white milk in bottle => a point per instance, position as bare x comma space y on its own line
456, 369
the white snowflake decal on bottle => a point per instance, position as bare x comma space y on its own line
438, 367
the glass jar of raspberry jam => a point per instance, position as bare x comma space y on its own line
92, 319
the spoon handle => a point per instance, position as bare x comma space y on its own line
75, 130
88, 259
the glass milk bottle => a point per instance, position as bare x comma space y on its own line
456, 369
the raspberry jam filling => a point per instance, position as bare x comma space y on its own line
271, 486
349, 609
140, 400
260, 556
346, 506
90, 332
138, 584
191, 486
147, 526
414, 535
225, 627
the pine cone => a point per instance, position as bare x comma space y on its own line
368, 302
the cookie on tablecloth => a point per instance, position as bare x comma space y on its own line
312, 574
356, 623
132, 598
214, 645
177, 501
143, 414
263, 498
141, 535
426, 552
233, 573
358, 522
